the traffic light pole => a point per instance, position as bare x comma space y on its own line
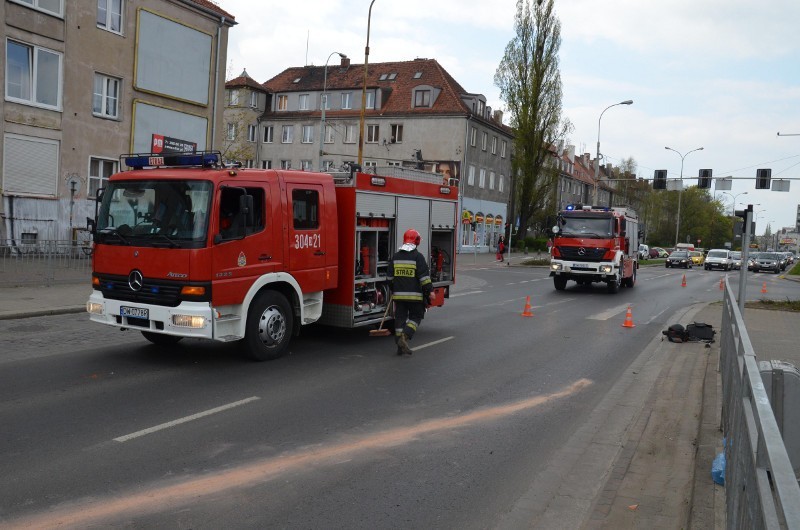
746, 229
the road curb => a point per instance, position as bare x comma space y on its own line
43, 312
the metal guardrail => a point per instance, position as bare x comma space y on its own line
761, 489
44, 262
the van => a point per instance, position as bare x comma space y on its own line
684, 246
718, 258
644, 252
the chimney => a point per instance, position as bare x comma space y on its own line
571, 153
498, 116
345, 62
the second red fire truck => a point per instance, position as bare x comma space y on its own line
185, 247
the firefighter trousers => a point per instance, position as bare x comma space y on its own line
407, 317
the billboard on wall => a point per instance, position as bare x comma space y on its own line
167, 144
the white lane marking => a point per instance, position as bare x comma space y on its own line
184, 419
657, 277
608, 313
454, 295
434, 343
655, 317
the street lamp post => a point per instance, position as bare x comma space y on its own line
597, 161
680, 191
364, 92
324, 104
734, 196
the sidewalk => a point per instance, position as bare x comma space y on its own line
661, 477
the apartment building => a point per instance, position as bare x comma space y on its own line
416, 115
86, 81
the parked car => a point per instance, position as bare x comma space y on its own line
644, 251
697, 257
767, 261
679, 258
658, 252
736, 258
718, 258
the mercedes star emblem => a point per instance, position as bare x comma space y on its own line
135, 280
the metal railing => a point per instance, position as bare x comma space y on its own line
44, 262
761, 489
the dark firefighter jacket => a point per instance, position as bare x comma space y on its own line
411, 280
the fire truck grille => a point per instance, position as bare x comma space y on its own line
152, 291
588, 254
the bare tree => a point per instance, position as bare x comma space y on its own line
530, 84
235, 145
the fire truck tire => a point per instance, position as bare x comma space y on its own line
159, 339
613, 285
559, 282
269, 326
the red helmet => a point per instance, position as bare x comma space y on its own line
412, 236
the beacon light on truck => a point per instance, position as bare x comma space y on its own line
200, 158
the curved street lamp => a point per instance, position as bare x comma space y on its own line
734, 196
364, 91
680, 191
324, 104
597, 161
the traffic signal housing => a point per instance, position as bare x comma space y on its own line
704, 179
762, 179
660, 179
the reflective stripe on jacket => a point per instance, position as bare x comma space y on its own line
408, 272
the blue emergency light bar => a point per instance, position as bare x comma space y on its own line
198, 159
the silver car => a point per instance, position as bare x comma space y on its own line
767, 261
736, 259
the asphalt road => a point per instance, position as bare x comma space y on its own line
100, 427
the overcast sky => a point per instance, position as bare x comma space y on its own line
722, 75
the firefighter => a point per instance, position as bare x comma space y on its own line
411, 289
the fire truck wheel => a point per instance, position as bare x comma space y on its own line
269, 326
560, 283
159, 339
613, 285
630, 282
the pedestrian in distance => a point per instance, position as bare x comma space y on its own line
501, 248
411, 289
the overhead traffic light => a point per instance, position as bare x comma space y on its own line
704, 180
660, 179
762, 178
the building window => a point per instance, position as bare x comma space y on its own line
397, 134
303, 101
482, 179
269, 134
306, 165
327, 165
105, 100
500, 183
491, 180
392, 163
248, 163
266, 164
231, 131
251, 133
33, 75
484, 141
422, 98
347, 100
503, 149
325, 101
329, 134
480, 108
308, 134
473, 136
471, 176
350, 135
373, 133
233, 97
288, 134
286, 164
254, 99
109, 15
53, 7
370, 100
370, 163
283, 102
494, 145
99, 171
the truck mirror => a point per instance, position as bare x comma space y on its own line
555, 230
91, 225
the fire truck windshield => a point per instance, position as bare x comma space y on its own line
155, 213
588, 226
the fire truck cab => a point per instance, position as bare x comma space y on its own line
185, 247
595, 244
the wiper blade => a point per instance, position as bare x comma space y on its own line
172, 242
110, 231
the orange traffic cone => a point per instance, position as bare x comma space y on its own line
527, 311
721, 284
764, 287
683, 283
628, 319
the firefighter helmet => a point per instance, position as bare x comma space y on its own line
412, 236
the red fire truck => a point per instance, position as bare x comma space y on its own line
595, 244
186, 247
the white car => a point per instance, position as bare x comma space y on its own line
718, 258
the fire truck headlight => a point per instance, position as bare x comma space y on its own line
188, 321
606, 269
556, 267
94, 308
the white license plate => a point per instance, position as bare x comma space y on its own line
581, 266
134, 312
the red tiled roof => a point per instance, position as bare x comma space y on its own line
397, 92
244, 80
211, 5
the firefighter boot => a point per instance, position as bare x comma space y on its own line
402, 345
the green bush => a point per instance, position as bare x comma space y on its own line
795, 270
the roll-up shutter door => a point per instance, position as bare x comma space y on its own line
414, 213
375, 205
30, 165
443, 214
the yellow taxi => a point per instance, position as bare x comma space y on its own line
697, 257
